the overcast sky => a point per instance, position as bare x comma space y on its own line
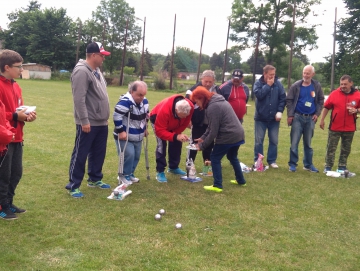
189, 22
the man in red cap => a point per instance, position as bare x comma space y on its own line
91, 113
236, 92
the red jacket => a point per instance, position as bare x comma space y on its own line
11, 96
6, 131
337, 101
167, 124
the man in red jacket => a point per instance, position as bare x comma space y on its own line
11, 165
344, 103
169, 119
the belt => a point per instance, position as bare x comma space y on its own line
305, 115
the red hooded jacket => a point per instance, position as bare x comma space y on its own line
337, 101
11, 96
167, 124
6, 131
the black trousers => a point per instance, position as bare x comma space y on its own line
174, 153
197, 132
10, 172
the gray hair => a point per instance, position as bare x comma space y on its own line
134, 85
310, 66
183, 106
208, 73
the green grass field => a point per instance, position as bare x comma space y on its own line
279, 221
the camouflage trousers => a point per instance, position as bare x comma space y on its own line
345, 147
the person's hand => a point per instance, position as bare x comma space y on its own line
322, 124
31, 116
270, 81
199, 140
314, 118
146, 133
290, 120
21, 115
197, 147
122, 135
182, 138
86, 128
189, 125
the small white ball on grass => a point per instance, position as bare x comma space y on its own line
157, 217
178, 226
162, 211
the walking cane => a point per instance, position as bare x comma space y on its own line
145, 143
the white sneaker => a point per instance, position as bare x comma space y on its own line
133, 178
274, 165
123, 180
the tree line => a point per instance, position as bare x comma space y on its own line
50, 37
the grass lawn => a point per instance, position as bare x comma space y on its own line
279, 221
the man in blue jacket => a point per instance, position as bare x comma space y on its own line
269, 106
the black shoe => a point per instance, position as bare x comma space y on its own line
17, 210
6, 213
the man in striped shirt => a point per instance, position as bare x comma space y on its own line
130, 117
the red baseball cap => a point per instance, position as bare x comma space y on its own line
96, 47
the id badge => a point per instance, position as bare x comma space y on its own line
142, 125
308, 104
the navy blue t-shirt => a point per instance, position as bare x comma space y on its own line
306, 101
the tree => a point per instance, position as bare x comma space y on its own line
41, 36
186, 59
233, 58
347, 60
276, 21
115, 14
260, 63
147, 67
216, 61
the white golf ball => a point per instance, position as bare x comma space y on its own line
116, 193
178, 226
162, 211
157, 217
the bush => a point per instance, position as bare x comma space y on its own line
60, 76
159, 82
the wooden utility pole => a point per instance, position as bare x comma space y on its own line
291, 45
333, 54
199, 63
225, 57
172, 55
78, 44
142, 54
256, 54
123, 55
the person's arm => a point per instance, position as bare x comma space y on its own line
323, 115
121, 109
260, 90
247, 92
80, 85
6, 136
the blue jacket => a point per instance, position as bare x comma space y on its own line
269, 99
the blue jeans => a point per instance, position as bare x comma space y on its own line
131, 155
217, 154
273, 134
301, 126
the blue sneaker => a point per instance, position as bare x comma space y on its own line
177, 171
160, 177
326, 169
292, 168
99, 184
311, 169
75, 193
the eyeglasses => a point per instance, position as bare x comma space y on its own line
19, 66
